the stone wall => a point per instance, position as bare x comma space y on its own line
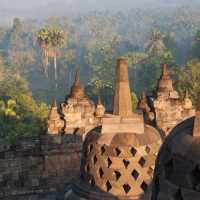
39, 165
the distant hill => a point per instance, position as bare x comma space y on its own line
45, 8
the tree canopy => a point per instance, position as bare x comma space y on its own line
92, 42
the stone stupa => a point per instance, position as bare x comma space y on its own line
78, 110
170, 109
177, 172
118, 157
54, 123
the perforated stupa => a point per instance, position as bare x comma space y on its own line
119, 156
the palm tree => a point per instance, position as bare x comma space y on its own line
43, 38
155, 45
50, 40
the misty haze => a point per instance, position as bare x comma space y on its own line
99, 99
45, 8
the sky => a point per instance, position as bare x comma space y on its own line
44, 8
80, 4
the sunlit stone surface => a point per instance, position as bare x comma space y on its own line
118, 157
177, 173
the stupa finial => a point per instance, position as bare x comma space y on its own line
165, 84
186, 94
143, 95
54, 122
99, 100
165, 71
77, 91
54, 102
77, 81
122, 99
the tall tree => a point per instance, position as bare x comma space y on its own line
20, 114
155, 46
51, 39
188, 78
196, 45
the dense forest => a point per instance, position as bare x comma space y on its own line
31, 74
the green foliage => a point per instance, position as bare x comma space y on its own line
8, 108
196, 45
20, 115
103, 75
188, 79
136, 58
50, 39
134, 100
95, 41
156, 46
